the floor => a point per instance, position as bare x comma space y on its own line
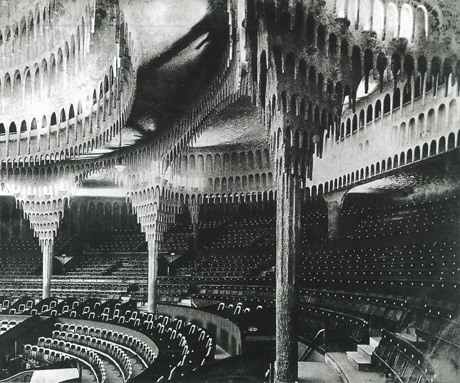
317, 372
339, 361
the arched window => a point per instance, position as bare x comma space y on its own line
386, 104
12, 129
378, 109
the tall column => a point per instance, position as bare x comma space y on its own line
48, 252
194, 210
288, 214
334, 202
152, 274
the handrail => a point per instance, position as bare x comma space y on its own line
309, 349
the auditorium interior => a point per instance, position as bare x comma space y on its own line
229, 191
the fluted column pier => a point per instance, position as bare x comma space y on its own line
48, 255
152, 274
288, 214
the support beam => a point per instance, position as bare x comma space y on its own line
334, 202
194, 210
48, 255
152, 275
288, 214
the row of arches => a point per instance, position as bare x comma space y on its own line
42, 206
103, 96
224, 162
239, 183
414, 72
39, 81
77, 133
94, 216
87, 144
436, 121
103, 99
417, 153
37, 32
386, 20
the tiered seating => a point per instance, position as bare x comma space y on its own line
5, 302
7, 324
131, 267
355, 328
21, 305
228, 264
439, 324
403, 360
429, 217
93, 266
172, 293
246, 231
418, 265
22, 246
184, 346
314, 225
243, 237
115, 353
259, 294
19, 265
176, 241
41, 307
117, 242
390, 311
145, 353
55, 352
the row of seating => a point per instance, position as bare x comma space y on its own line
439, 324
416, 219
403, 359
140, 348
185, 346
117, 354
19, 265
44, 351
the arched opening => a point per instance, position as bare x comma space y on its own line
311, 26
425, 151
332, 45
12, 129
386, 104
442, 144
451, 141
407, 22
378, 109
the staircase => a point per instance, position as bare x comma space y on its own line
362, 358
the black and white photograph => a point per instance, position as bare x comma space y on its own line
229, 191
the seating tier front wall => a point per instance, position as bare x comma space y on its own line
226, 333
378, 146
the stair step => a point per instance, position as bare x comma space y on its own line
366, 350
374, 341
359, 362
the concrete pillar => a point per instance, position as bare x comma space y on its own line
48, 253
288, 213
152, 275
334, 202
194, 210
